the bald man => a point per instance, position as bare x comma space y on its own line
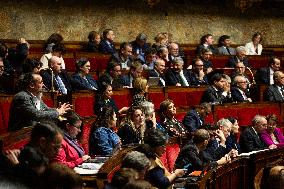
55, 78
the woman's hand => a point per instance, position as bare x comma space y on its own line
86, 157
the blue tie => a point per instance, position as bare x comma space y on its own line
61, 85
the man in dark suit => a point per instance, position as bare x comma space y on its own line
206, 42
240, 57
249, 139
139, 46
196, 74
194, 119
27, 106
106, 45
219, 90
158, 71
275, 92
265, 75
112, 75
55, 78
124, 57
240, 92
175, 51
176, 76
135, 71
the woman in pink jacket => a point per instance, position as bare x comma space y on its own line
272, 136
70, 152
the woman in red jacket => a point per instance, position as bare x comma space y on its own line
70, 152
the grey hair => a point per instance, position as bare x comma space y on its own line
257, 119
148, 108
224, 123
227, 78
240, 49
135, 160
178, 60
237, 78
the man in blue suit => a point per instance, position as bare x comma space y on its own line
106, 45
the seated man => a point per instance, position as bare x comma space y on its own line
193, 157
197, 75
135, 71
239, 57
224, 43
265, 75
240, 70
240, 92
150, 57
175, 51
55, 78
139, 46
205, 57
219, 90
27, 106
206, 42
217, 145
194, 119
249, 139
6, 79
176, 76
112, 75
106, 45
158, 71
275, 92
124, 57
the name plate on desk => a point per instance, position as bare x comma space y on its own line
88, 168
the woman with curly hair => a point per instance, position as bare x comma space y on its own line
140, 88
133, 128
103, 140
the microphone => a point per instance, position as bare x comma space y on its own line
52, 80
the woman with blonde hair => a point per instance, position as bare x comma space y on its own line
133, 128
140, 88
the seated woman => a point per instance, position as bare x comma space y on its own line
103, 98
254, 47
193, 157
94, 41
155, 142
81, 80
140, 88
70, 152
232, 139
103, 140
168, 120
272, 136
133, 128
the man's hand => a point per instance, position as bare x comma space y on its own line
62, 109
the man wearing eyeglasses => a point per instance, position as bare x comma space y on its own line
240, 92
249, 139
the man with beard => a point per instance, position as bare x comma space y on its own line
28, 107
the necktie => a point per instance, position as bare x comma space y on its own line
183, 80
228, 50
282, 91
256, 50
61, 85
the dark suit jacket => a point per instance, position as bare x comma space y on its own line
263, 76
250, 141
273, 94
195, 81
233, 60
172, 77
91, 47
114, 82
216, 151
46, 77
154, 73
200, 47
79, 83
206, 63
105, 48
126, 79
213, 96
23, 111
237, 96
192, 121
